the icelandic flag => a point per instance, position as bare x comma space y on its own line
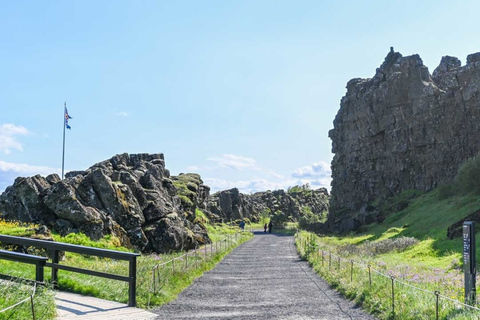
66, 119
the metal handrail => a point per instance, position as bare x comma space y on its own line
56, 247
39, 262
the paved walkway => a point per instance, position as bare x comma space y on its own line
262, 279
73, 306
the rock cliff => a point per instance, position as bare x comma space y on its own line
229, 205
130, 196
402, 129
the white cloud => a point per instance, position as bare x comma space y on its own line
8, 139
317, 170
26, 168
245, 186
9, 171
235, 162
122, 114
316, 175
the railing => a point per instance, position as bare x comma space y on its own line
333, 259
56, 247
39, 262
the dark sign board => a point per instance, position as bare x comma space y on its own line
468, 245
469, 260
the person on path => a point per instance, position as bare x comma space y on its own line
270, 225
242, 224
265, 228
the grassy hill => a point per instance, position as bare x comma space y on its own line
411, 245
427, 218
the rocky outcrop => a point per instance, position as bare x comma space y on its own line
191, 191
230, 205
130, 196
402, 129
293, 203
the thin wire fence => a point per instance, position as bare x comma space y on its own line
192, 259
29, 298
401, 292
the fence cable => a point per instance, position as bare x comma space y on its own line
30, 297
227, 239
394, 279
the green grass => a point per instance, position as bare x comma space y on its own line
17, 229
14, 292
172, 282
353, 280
434, 263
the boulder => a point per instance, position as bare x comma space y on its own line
125, 196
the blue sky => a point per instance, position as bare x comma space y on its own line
242, 92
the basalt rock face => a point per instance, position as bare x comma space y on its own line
230, 205
402, 129
292, 203
130, 196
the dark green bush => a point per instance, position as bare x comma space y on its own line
468, 177
279, 219
446, 191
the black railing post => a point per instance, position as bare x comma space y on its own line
132, 285
39, 268
55, 260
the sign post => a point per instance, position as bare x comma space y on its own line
469, 261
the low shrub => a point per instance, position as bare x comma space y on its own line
279, 219
468, 177
446, 191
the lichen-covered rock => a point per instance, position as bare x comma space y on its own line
402, 129
23, 201
191, 190
169, 234
124, 196
230, 205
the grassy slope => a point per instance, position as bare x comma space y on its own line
430, 262
427, 218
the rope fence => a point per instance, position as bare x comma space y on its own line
25, 300
191, 259
336, 262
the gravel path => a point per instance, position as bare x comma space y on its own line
261, 279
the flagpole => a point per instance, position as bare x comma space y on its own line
63, 154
